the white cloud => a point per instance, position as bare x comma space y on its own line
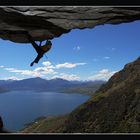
106, 57
37, 72
77, 48
103, 74
65, 76
45, 70
48, 65
24, 72
113, 49
1, 66
68, 65
95, 59
10, 78
12, 70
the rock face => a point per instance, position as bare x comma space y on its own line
50, 22
1, 126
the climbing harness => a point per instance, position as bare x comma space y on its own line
48, 42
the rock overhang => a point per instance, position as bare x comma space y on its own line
44, 22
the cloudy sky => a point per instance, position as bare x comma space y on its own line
89, 54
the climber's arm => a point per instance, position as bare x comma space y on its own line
34, 44
40, 43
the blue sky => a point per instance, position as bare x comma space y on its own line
87, 54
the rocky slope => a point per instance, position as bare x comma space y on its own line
50, 22
114, 108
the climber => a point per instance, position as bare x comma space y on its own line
41, 50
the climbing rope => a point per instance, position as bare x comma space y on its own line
46, 56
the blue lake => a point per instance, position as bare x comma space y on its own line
18, 108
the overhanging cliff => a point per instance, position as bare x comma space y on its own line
50, 22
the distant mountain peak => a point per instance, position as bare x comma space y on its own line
35, 78
59, 79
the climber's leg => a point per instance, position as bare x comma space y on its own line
39, 56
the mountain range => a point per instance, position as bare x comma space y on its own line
57, 84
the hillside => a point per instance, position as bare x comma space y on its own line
3, 90
87, 88
114, 108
